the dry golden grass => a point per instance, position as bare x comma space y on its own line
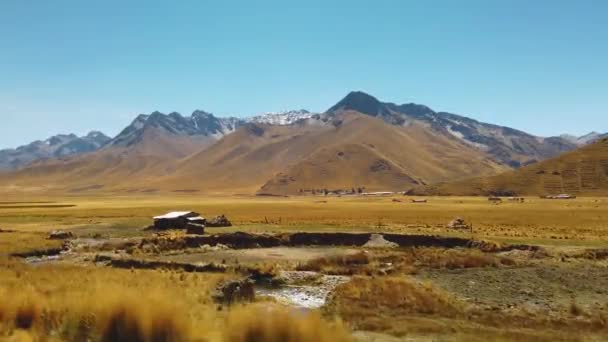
70, 300
401, 306
580, 221
453, 258
19, 242
69, 303
337, 264
403, 261
395, 293
278, 324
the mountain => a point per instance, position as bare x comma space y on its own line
341, 151
580, 172
148, 148
157, 134
200, 126
282, 118
506, 145
584, 139
57, 146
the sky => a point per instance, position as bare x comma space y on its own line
75, 66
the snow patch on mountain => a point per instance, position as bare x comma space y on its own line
282, 118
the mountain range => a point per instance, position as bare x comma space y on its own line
61, 145
358, 142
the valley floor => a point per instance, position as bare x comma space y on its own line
536, 270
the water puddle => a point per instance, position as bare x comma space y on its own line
44, 259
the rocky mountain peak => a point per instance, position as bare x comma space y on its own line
360, 102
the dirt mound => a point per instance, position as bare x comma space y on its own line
378, 241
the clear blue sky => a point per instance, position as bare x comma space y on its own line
73, 66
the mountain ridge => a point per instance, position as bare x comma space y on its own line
507, 145
60, 145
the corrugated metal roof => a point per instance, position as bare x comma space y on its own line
173, 214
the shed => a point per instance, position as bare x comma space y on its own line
177, 220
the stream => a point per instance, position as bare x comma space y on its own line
310, 295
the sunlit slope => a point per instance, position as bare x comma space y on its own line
115, 168
347, 151
580, 172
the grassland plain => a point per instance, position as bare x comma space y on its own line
553, 222
430, 294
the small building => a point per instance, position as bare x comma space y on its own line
178, 220
420, 200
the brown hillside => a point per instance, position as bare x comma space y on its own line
154, 155
349, 151
580, 172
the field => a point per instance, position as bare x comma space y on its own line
528, 271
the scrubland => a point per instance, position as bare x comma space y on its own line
552, 292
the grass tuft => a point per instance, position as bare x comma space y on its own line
278, 324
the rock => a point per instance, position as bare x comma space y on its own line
235, 291
195, 229
60, 235
458, 223
219, 221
